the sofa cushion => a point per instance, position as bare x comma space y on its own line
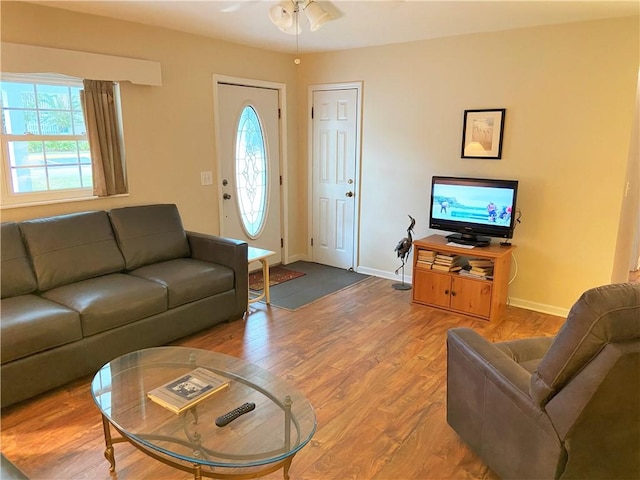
111, 301
31, 324
188, 280
70, 248
17, 277
527, 352
149, 234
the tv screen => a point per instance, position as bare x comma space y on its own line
473, 208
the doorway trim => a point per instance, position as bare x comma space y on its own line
282, 122
358, 191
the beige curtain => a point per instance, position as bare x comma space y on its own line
104, 138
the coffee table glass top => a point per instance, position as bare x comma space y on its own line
282, 422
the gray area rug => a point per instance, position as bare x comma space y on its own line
319, 281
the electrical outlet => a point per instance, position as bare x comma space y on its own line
206, 178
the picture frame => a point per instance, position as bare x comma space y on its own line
482, 133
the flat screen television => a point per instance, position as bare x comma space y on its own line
474, 209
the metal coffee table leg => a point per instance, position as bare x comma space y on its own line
108, 451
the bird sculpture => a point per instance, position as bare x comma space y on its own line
404, 246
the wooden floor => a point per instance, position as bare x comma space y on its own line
372, 364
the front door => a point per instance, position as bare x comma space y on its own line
334, 176
250, 165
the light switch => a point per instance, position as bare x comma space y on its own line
206, 178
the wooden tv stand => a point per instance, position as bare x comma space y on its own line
451, 291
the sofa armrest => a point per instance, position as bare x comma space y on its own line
489, 406
228, 252
493, 362
223, 251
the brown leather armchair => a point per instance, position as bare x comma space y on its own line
560, 407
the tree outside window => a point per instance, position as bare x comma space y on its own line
44, 141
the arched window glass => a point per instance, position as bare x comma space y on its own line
251, 172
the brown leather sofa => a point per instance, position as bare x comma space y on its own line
563, 407
81, 289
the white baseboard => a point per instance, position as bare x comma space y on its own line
516, 302
385, 274
538, 307
295, 258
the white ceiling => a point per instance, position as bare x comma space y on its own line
356, 24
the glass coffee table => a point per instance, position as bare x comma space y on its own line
256, 443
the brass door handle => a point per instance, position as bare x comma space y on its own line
226, 196
349, 194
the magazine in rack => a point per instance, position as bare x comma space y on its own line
188, 390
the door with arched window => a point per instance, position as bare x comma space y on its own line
250, 165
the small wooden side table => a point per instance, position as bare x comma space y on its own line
260, 255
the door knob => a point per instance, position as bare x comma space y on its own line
225, 182
349, 194
226, 196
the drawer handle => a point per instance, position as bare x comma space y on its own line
453, 294
446, 292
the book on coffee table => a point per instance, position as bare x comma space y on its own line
188, 390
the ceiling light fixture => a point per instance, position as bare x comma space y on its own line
285, 13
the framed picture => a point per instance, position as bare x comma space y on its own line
482, 133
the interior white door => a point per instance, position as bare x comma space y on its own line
334, 159
250, 166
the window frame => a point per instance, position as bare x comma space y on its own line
8, 196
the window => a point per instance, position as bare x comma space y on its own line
251, 172
45, 150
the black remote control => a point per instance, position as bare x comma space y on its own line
227, 418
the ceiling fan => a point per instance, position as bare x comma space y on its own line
285, 15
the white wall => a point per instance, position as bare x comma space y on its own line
569, 91
627, 256
168, 130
